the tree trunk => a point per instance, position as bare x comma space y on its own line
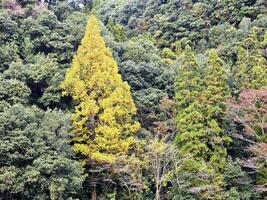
157, 193
93, 190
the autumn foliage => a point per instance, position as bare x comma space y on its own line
103, 118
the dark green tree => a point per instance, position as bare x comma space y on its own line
35, 156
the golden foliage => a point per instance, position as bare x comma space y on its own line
103, 119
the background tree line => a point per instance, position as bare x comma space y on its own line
153, 99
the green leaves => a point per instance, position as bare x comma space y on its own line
200, 113
150, 42
250, 70
35, 154
8, 54
14, 91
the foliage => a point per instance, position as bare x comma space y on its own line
149, 76
250, 70
103, 119
200, 103
250, 112
35, 155
195, 141
105, 102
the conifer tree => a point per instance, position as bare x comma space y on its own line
214, 96
200, 107
103, 119
251, 67
200, 111
189, 116
188, 81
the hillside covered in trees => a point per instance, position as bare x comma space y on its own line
133, 99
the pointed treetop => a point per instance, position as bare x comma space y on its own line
103, 121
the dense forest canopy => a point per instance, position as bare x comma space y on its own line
133, 99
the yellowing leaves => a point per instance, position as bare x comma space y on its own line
103, 119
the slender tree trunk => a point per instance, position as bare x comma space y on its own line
157, 193
93, 189
158, 178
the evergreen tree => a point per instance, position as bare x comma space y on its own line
191, 136
35, 155
103, 119
200, 112
214, 96
200, 108
189, 117
251, 67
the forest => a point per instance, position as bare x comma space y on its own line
133, 99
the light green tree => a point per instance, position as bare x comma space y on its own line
251, 67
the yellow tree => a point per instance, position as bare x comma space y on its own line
103, 120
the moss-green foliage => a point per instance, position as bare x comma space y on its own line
200, 96
148, 40
173, 20
117, 31
251, 66
36, 158
214, 95
35, 155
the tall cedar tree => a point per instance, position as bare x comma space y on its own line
190, 119
251, 66
215, 94
200, 111
103, 119
191, 135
